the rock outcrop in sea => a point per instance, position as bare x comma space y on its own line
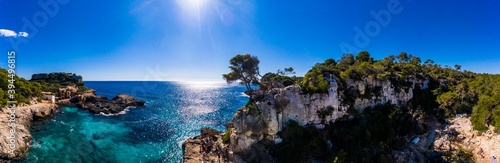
101, 104
206, 146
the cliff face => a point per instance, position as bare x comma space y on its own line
283, 104
16, 145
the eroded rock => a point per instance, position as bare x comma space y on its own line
100, 104
15, 142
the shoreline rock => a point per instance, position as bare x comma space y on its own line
100, 104
206, 147
482, 146
23, 119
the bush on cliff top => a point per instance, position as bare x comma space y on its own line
274, 80
227, 136
487, 110
315, 82
25, 90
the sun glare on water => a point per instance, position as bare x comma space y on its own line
202, 85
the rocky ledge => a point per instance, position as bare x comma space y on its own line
206, 147
17, 138
100, 104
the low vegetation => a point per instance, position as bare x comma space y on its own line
227, 136
279, 79
25, 90
487, 110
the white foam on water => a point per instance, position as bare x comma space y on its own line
35, 144
124, 111
244, 95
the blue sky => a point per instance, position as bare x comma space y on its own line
195, 39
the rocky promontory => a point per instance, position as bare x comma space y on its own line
18, 138
208, 146
101, 104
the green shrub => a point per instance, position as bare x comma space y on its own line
253, 109
315, 82
226, 137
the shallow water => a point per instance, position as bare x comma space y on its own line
153, 133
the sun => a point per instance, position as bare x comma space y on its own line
196, 2
192, 5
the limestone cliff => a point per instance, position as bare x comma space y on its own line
16, 145
280, 105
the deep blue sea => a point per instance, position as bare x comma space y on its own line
153, 133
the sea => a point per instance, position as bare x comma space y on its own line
174, 111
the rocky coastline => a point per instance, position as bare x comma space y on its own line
17, 142
102, 105
208, 146
15, 146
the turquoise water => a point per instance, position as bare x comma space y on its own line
153, 133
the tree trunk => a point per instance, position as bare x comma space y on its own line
249, 91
